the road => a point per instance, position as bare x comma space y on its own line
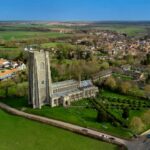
141, 143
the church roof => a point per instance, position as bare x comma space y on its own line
66, 93
85, 83
63, 83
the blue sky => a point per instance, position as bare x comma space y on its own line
75, 10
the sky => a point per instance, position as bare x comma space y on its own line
75, 10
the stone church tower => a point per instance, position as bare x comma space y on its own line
39, 78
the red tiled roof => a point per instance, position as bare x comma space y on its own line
2, 61
10, 71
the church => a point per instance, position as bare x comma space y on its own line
43, 92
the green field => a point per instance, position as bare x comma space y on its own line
17, 35
50, 45
122, 76
17, 133
129, 30
27, 30
13, 51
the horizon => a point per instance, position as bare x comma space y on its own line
77, 21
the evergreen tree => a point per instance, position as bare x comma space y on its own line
102, 116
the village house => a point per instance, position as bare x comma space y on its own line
6, 74
102, 75
4, 63
126, 67
8, 69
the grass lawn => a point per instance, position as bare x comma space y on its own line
107, 93
85, 117
114, 100
138, 106
17, 133
124, 77
50, 45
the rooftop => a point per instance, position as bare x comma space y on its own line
63, 83
2, 61
85, 83
6, 72
65, 93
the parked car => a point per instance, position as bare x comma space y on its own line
85, 130
111, 138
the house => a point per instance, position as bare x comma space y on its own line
14, 64
138, 68
22, 66
139, 76
4, 63
102, 75
5, 74
126, 67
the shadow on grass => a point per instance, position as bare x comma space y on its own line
16, 102
90, 119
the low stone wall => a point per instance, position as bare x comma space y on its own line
60, 124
